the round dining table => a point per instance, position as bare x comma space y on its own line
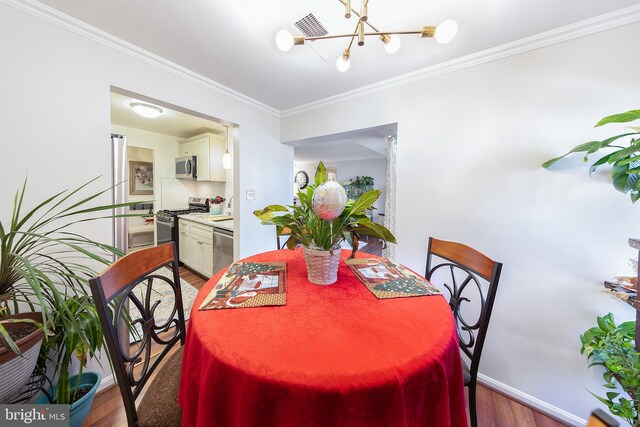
332, 356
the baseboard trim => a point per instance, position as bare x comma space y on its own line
531, 401
106, 382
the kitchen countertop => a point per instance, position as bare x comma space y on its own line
216, 221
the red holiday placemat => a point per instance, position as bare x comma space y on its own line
249, 284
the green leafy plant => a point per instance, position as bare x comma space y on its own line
625, 159
363, 181
613, 348
68, 341
306, 228
358, 186
44, 264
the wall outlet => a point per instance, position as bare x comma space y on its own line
251, 194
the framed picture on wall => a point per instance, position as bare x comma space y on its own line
140, 178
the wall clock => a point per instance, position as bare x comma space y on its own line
302, 179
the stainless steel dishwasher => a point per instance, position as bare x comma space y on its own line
222, 248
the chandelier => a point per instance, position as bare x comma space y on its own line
443, 33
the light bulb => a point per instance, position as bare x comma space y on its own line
343, 63
446, 31
226, 160
284, 40
392, 45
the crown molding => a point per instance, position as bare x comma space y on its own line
579, 29
74, 25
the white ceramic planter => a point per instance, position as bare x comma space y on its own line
15, 370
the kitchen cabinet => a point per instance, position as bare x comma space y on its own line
188, 148
196, 246
183, 241
209, 149
201, 247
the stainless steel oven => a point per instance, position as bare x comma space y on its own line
164, 230
167, 220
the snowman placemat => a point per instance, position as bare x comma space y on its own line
249, 284
386, 279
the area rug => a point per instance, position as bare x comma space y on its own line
161, 291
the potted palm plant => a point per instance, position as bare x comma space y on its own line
323, 220
45, 268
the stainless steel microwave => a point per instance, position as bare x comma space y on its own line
187, 167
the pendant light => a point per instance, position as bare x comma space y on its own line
226, 158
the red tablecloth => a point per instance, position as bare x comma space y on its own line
333, 356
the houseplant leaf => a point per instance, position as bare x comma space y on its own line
621, 179
626, 117
585, 147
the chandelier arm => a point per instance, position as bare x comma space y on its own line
353, 37
358, 15
377, 33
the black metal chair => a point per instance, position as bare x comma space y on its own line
466, 274
127, 297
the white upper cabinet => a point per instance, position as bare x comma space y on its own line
209, 149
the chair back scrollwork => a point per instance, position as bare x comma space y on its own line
470, 279
129, 297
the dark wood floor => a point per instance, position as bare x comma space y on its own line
373, 247
494, 409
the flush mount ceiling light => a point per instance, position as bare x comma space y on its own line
145, 110
443, 33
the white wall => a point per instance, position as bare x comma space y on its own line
54, 116
469, 171
347, 170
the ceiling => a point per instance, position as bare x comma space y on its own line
361, 144
170, 122
232, 42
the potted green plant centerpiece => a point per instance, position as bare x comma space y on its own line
324, 219
611, 346
45, 266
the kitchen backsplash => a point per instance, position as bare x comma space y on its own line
176, 192
210, 189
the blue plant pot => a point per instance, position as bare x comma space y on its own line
79, 409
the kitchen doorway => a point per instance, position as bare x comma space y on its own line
362, 158
145, 153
